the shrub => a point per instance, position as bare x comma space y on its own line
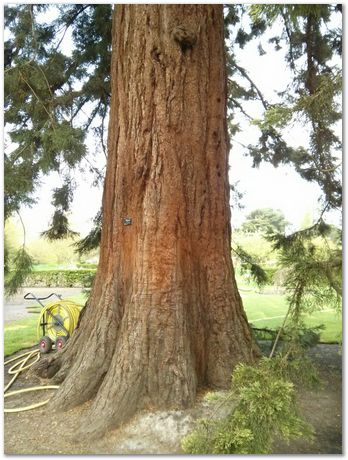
264, 407
61, 278
86, 265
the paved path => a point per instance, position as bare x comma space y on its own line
15, 308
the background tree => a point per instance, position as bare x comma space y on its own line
265, 221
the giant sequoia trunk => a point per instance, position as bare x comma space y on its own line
164, 317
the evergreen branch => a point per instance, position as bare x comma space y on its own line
239, 143
79, 107
92, 240
39, 100
256, 271
23, 264
59, 228
69, 23
33, 31
23, 227
328, 170
94, 113
236, 103
94, 169
289, 35
280, 330
18, 154
45, 78
245, 75
102, 135
281, 241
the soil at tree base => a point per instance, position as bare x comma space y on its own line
40, 431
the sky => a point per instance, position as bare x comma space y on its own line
263, 187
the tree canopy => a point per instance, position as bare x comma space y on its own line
54, 95
266, 221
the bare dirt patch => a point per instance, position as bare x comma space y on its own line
41, 431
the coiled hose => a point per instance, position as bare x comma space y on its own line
60, 317
20, 366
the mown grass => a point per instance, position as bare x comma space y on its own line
20, 334
263, 310
269, 310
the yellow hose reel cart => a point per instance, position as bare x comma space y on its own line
57, 321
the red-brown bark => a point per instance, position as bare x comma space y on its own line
165, 316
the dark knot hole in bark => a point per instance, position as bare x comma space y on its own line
156, 54
185, 37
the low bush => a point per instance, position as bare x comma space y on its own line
263, 408
61, 278
86, 265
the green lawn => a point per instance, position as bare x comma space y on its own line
268, 310
20, 334
263, 310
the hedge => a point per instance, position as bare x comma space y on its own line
86, 266
61, 278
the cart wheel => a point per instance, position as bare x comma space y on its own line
60, 342
45, 344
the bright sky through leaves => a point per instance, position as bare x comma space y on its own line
263, 187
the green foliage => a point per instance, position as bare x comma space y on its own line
299, 370
46, 92
248, 265
92, 240
314, 268
259, 248
15, 280
264, 409
6, 257
265, 221
254, 256
59, 227
313, 97
277, 116
12, 241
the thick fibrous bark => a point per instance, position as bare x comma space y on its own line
165, 316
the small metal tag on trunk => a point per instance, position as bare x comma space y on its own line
127, 221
